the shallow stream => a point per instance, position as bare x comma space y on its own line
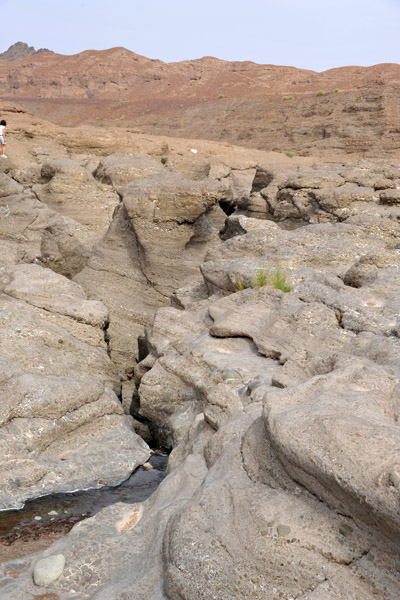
45, 519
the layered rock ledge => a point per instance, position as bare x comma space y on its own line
280, 402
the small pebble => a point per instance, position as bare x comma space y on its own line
283, 530
345, 529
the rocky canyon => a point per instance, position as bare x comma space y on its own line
191, 263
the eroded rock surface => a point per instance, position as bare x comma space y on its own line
281, 406
58, 386
159, 236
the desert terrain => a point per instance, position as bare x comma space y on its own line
219, 281
349, 110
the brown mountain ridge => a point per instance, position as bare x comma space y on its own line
352, 109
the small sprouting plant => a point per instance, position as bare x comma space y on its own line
337, 90
241, 284
287, 97
89, 94
220, 96
261, 278
122, 117
280, 280
289, 154
277, 278
320, 93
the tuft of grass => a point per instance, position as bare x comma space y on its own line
221, 96
337, 91
122, 117
241, 284
261, 278
289, 154
287, 97
279, 280
320, 93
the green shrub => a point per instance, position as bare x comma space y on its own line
122, 117
89, 94
287, 97
289, 154
337, 90
320, 93
221, 96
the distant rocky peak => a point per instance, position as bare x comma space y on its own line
20, 50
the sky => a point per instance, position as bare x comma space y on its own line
309, 34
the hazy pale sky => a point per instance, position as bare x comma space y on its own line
311, 34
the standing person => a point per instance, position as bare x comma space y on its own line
3, 138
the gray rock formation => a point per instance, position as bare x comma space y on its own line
20, 50
62, 426
158, 237
322, 194
68, 188
121, 168
281, 408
